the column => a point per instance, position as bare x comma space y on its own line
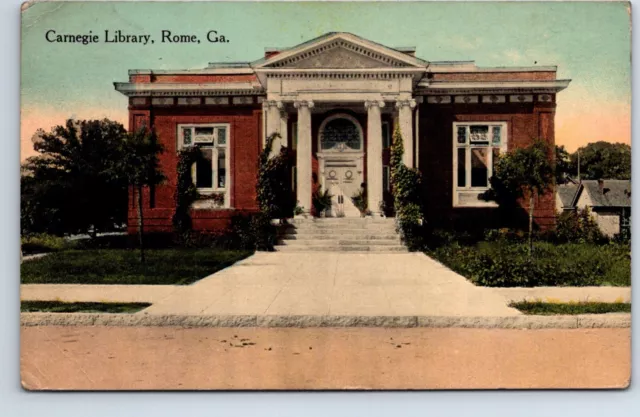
272, 109
374, 155
303, 155
405, 122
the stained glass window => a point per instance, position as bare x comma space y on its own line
462, 134
186, 136
340, 134
479, 133
496, 135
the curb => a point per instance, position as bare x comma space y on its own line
591, 321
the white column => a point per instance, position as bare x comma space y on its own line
303, 155
405, 122
271, 111
374, 155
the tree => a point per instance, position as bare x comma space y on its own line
563, 164
602, 160
68, 187
524, 173
139, 165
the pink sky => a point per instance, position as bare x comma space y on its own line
577, 122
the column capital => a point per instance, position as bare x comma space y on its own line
303, 103
371, 103
409, 103
272, 103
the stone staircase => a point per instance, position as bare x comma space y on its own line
346, 234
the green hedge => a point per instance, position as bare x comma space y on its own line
507, 264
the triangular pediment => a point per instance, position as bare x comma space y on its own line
340, 51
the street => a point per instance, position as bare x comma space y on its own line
155, 358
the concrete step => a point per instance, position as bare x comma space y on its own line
342, 243
339, 236
350, 249
305, 227
343, 220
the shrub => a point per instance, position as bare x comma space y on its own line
578, 226
253, 231
321, 201
504, 264
43, 243
273, 189
407, 192
360, 201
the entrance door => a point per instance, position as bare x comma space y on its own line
341, 154
343, 179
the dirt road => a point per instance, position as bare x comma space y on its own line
128, 358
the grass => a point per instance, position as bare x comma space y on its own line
63, 307
122, 266
505, 263
586, 307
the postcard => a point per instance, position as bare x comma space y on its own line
325, 195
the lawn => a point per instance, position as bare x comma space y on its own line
62, 307
507, 264
122, 266
587, 307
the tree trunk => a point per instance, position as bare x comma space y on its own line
530, 224
140, 224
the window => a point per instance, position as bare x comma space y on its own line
386, 135
476, 147
210, 173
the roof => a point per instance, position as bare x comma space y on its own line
615, 193
567, 193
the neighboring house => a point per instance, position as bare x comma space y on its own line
334, 100
608, 200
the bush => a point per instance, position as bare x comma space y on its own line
253, 232
43, 243
504, 264
578, 226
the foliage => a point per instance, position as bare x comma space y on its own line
121, 266
507, 264
407, 192
274, 193
562, 165
602, 160
321, 201
186, 192
360, 201
80, 307
253, 232
523, 172
43, 243
140, 166
582, 307
578, 226
68, 188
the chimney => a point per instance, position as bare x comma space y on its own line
601, 186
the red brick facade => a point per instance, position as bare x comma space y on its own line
524, 99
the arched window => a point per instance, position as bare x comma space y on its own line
340, 133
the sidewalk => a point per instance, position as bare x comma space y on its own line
324, 289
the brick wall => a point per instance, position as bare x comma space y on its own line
245, 142
526, 122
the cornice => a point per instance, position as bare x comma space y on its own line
183, 89
482, 87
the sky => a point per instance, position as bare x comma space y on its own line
589, 42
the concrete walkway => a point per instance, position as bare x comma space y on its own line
331, 283
326, 284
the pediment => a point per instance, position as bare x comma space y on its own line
341, 51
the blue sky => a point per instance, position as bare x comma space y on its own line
590, 43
